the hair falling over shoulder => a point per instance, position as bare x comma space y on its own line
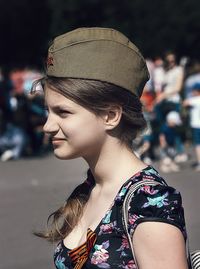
61, 222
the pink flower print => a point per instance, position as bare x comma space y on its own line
132, 219
125, 243
129, 265
147, 189
100, 256
123, 246
107, 228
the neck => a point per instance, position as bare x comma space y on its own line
114, 164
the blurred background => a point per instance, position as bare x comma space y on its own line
32, 182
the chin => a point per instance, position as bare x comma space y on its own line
65, 156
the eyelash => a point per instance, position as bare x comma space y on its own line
63, 112
59, 111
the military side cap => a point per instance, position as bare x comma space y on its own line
99, 54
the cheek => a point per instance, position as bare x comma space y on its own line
87, 131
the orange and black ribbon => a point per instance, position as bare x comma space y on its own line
80, 254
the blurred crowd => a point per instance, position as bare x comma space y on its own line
22, 116
171, 101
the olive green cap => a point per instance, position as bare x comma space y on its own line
100, 54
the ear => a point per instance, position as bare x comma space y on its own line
112, 116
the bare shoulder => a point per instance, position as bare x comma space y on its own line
159, 245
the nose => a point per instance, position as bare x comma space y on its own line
50, 125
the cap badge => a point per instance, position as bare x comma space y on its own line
49, 61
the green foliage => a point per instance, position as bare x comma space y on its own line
155, 26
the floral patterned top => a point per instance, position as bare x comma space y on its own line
111, 249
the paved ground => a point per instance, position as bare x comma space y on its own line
31, 189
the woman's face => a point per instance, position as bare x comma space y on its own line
75, 131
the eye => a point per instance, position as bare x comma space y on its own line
63, 112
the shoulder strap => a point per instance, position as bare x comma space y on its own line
130, 194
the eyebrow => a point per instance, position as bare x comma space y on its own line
63, 106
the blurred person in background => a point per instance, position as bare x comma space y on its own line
145, 147
193, 104
39, 141
158, 75
170, 142
13, 139
19, 100
20, 103
172, 83
192, 79
28, 112
148, 95
170, 99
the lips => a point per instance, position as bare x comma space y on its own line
56, 142
58, 139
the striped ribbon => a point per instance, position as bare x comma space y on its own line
80, 254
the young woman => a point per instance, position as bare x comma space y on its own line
95, 77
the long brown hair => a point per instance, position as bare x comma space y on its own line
96, 96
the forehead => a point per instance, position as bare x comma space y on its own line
54, 98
